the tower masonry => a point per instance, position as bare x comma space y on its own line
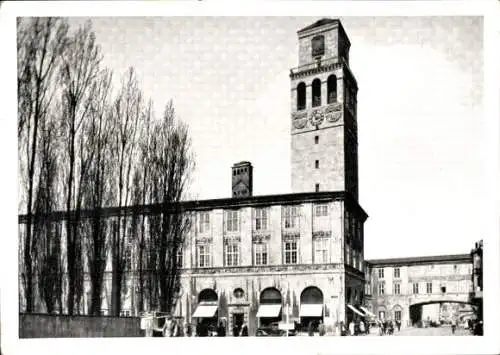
323, 112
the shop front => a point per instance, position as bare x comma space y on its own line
206, 313
311, 308
270, 307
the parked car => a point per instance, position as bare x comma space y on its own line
273, 330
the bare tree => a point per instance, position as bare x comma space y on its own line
171, 163
126, 114
141, 193
79, 69
96, 186
47, 233
41, 42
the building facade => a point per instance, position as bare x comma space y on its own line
297, 257
476, 296
420, 288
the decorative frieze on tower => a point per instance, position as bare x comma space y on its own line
323, 112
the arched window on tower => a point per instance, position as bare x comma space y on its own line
301, 96
316, 93
332, 89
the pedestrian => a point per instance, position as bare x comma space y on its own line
351, 328
454, 324
187, 329
367, 327
321, 329
343, 329
236, 330
398, 325
380, 327
244, 330
310, 329
362, 327
221, 331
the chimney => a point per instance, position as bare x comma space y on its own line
242, 179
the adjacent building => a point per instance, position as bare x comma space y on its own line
476, 296
419, 288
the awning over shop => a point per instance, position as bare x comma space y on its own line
205, 311
311, 310
367, 311
268, 311
355, 310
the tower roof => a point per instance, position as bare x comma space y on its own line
319, 23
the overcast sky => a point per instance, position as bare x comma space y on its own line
419, 112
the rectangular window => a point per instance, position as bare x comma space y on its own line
204, 222
232, 222
429, 287
232, 254
125, 313
179, 258
317, 187
260, 218
415, 288
397, 289
381, 288
380, 273
443, 289
204, 256
316, 164
368, 289
321, 211
316, 139
397, 316
321, 251
291, 217
290, 252
260, 253
396, 273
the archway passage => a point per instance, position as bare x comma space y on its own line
206, 312
270, 307
311, 308
439, 311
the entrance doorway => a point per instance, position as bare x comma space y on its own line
238, 319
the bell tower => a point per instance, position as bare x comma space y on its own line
324, 113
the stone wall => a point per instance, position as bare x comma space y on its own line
63, 326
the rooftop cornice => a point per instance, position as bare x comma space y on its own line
434, 259
197, 205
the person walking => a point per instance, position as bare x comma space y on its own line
351, 328
362, 327
221, 331
398, 325
321, 329
187, 329
236, 330
310, 329
244, 330
453, 325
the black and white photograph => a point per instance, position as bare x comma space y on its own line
277, 175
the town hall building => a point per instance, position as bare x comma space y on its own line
295, 257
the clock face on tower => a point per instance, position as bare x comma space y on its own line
318, 46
